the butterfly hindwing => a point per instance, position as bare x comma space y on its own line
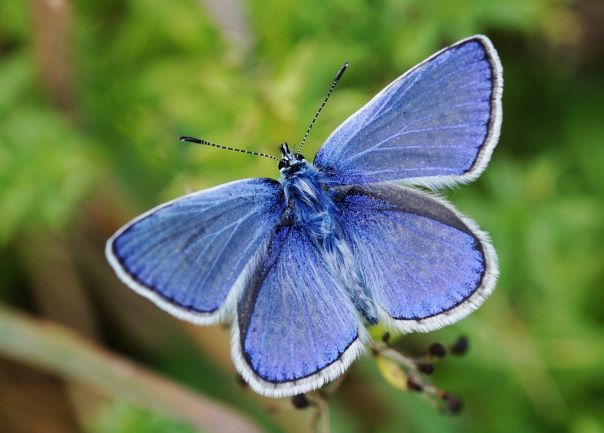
436, 125
296, 328
191, 255
425, 264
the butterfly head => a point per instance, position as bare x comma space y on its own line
290, 161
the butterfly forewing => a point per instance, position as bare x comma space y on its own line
190, 254
435, 125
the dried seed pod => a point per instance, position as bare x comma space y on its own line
300, 401
425, 368
414, 385
454, 403
437, 350
460, 347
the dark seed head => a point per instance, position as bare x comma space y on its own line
241, 381
300, 401
454, 403
414, 385
461, 346
437, 350
425, 368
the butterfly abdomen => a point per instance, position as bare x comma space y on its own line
312, 207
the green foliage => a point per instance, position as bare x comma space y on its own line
46, 165
125, 418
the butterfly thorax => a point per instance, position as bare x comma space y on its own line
308, 201
311, 206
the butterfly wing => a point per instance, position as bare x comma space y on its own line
425, 265
192, 256
436, 125
296, 329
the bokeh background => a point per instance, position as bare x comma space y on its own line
93, 95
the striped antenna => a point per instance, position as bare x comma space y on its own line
314, 119
207, 143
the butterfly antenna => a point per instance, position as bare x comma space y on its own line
314, 119
207, 143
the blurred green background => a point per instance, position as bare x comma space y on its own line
93, 95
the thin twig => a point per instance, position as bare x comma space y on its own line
319, 417
51, 38
400, 358
58, 349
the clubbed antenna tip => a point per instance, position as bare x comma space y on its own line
314, 119
234, 149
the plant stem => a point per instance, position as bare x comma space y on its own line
59, 350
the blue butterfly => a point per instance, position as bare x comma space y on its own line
299, 267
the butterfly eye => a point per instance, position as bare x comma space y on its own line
299, 157
282, 164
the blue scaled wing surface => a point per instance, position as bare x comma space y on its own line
194, 255
425, 265
296, 328
436, 125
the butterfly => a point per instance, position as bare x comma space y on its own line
301, 266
